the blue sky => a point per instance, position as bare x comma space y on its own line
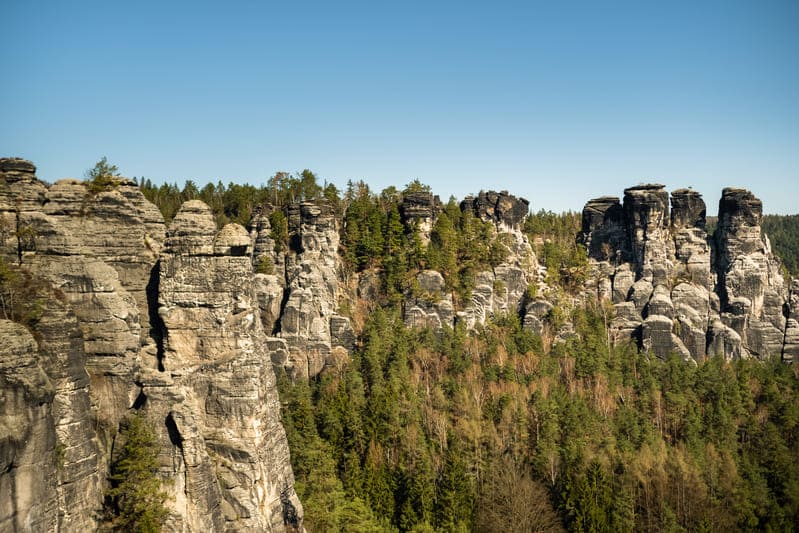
557, 102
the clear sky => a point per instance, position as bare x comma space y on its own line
558, 102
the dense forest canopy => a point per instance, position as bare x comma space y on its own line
783, 231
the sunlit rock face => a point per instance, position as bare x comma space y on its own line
136, 319
217, 393
750, 286
723, 294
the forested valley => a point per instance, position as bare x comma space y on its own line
502, 429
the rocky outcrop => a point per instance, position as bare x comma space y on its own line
176, 334
676, 289
604, 232
790, 347
419, 210
96, 251
217, 395
503, 289
312, 289
20, 191
500, 289
430, 306
50, 473
498, 207
750, 286
28, 459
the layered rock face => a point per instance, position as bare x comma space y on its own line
217, 396
94, 341
28, 441
177, 334
677, 290
51, 466
502, 290
432, 306
503, 209
420, 209
308, 321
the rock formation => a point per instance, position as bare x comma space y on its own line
299, 302
187, 325
431, 306
217, 394
135, 320
500, 290
678, 290
420, 209
501, 208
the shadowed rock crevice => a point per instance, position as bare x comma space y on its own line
157, 327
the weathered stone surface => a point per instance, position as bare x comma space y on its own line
724, 341
640, 293
419, 205
200, 370
626, 322
503, 289
660, 303
691, 313
192, 230
738, 233
81, 471
656, 335
604, 233
500, 208
119, 227
341, 332
666, 266
688, 209
19, 188
790, 350
751, 287
432, 306
535, 313
623, 281
419, 210
222, 436
28, 467
233, 240
269, 291
646, 213
267, 258
312, 285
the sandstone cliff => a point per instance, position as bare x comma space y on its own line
134, 319
677, 289
299, 302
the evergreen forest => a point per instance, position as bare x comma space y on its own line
500, 429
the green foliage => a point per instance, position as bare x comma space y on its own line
422, 427
280, 230
23, 295
235, 202
783, 231
554, 236
136, 501
265, 265
102, 177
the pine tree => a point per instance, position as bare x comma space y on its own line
135, 500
